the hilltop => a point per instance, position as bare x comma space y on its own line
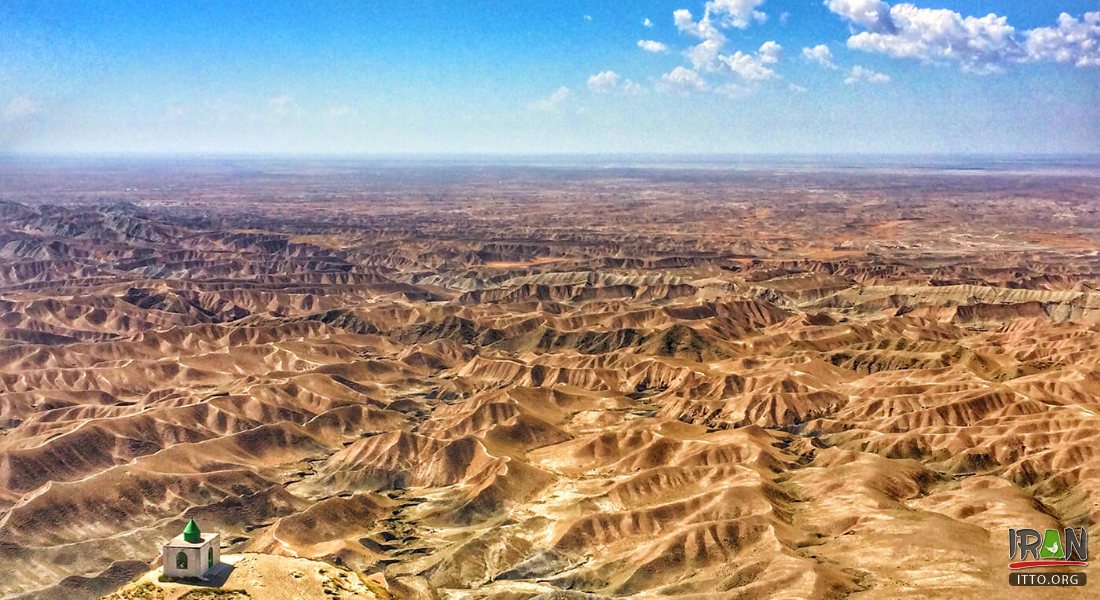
261, 576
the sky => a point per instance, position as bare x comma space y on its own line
543, 76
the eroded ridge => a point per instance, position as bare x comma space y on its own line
512, 382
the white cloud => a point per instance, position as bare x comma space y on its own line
718, 14
819, 54
687, 25
735, 13
977, 44
861, 74
588, 18
770, 52
607, 82
682, 18
20, 108
705, 54
749, 67
784, 17
1073, 40
604, 82
709, 56
940, 35
682, 80
869, 14
554, 102
647, 23
798, 89
754, 67
652, 46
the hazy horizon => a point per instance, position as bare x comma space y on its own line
594, 160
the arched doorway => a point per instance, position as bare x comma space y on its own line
209, 558
181, 560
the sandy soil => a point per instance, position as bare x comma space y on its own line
241, 576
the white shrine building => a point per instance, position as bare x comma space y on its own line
192, 553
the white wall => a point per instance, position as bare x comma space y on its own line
197, 558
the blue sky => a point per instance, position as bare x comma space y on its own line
567, 76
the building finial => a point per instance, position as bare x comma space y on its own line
191, 533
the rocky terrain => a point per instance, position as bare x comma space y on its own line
248, 576
506, 382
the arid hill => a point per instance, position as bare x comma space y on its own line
252, 576
506, 382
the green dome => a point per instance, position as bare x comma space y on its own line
191, 533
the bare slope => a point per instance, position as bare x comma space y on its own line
512, 383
